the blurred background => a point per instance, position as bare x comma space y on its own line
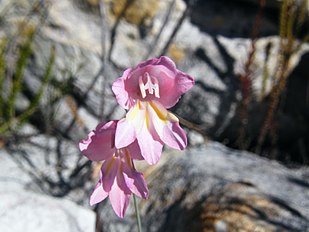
247, 117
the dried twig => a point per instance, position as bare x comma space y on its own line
154, 44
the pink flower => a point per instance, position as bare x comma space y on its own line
155, 79
118, 177
147, 91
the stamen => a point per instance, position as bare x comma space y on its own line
152, 85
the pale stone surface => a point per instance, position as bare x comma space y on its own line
185, 184
29, 212
12, 178
23, 207
212, 57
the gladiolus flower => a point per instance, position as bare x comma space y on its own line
118, 176
147, 91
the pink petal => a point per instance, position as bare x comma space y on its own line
172, 83
167, 63
167, 126
135, 151
128, 128
136, 182
83, 144
158, 117
162, 74
98, 194
172, 87
146, 63
150, 144
125, 134
120, 92
163, 60
121, 181
139, 188
174, 136
100, 142
137, 115
108, 173
131, 85
119, 198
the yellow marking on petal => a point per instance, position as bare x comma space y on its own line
172, 117
142, 119
147, 120
161, 114
127, 157
164, 114
110, 163
132, 114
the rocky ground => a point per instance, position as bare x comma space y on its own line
214, 188
206, 188
25, 206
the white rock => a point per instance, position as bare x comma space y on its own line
30, 212
27, 211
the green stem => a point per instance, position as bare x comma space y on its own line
2, 76
138, 218
22, 118
25, 52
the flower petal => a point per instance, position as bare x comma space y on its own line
174, 136
158, 117
100, 142
167, 126
136, 115
108, 172
150, 144
98, 194
125, 133
128, 128
175, 86
135, 151
167, 62
146, 63
119, 198
120, 92
136, 182
172, 83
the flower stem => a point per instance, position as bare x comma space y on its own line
138, 218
